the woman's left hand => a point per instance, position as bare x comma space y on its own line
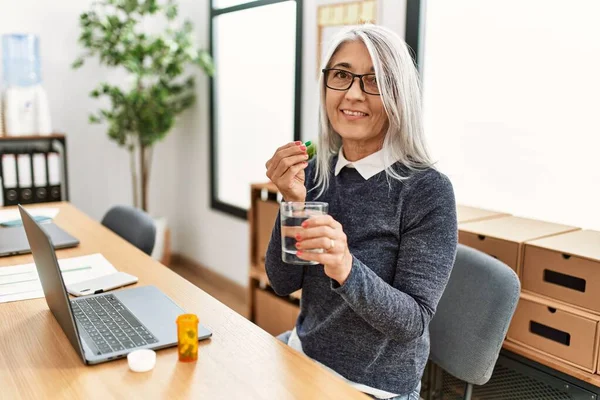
324, 232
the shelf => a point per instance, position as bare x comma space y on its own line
553, 363
33, 137
30, 145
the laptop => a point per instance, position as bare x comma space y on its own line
106, 326
13, 240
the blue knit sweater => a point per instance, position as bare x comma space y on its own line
402, 236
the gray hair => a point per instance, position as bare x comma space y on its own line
398, 82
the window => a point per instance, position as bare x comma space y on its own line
511, 103
255, 93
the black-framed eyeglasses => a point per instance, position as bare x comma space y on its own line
340, 79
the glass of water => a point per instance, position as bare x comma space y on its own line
292, 215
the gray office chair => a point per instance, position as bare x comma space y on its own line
473, 316
133, 225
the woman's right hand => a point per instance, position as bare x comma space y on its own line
286, 170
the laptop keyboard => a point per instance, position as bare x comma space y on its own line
110, 324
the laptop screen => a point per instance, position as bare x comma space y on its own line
51, 278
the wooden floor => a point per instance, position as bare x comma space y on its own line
226, 291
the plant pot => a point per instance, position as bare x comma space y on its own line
162, 243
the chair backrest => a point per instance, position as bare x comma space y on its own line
133, 225
473, 316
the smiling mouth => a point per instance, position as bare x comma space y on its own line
354, 113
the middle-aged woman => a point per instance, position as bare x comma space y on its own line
390, 236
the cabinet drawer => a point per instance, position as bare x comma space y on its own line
557, 332
571, 279
503, 250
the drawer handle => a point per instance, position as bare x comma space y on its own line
564, 280
552, 309
566, 256
550, 333
480, 237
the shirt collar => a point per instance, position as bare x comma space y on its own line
367, 167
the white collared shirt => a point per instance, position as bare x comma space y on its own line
367, 167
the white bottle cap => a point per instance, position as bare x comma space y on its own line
141, 360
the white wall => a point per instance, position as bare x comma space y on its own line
89, 151
511, 105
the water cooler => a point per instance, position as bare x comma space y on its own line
24, 104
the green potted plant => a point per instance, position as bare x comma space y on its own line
143, 112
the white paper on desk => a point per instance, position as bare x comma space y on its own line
21, 282
11, 215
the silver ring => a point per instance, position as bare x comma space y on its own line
332, 245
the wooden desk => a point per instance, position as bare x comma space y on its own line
241, 361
